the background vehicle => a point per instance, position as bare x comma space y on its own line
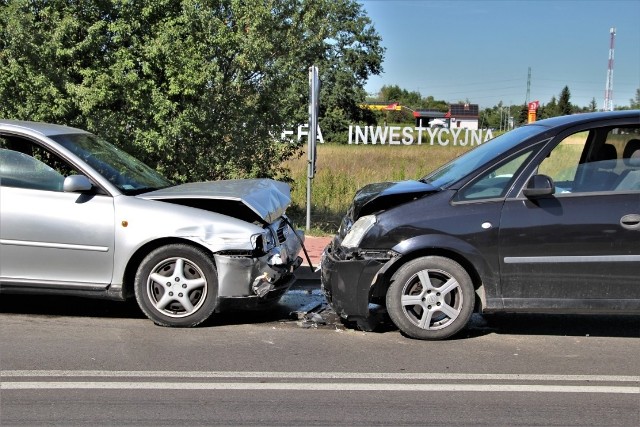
545, 218
81, 217
437, 123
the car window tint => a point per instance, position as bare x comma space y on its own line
496, 181
24, 164
593, 161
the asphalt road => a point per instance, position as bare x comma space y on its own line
78, 362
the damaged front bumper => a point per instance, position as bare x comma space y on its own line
249, 281
349, 282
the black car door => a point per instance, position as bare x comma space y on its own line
579, 248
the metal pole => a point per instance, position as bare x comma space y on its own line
309, 201
314, 104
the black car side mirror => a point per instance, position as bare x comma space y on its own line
539, 186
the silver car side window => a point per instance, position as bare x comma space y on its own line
24, 164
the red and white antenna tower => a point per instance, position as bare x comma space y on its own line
608, 92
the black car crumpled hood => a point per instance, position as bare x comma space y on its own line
384, 195
262, 200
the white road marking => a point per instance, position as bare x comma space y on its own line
317, 375
107, 385
298, 381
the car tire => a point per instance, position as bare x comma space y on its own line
430, 298
177, 285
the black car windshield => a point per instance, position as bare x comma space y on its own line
127, 173
480, 156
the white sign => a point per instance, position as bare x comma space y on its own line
303, 131
396, 135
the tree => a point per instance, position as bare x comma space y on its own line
635, 103
198, 89
549, 110
349, 54
410, 99
564, 104
413, 100
392, 93
433, 104
523, 115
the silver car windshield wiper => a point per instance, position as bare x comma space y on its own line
141, 190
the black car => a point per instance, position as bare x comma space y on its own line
545, 218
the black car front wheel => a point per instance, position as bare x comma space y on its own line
430, 298
177, 285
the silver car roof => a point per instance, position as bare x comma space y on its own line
45, 129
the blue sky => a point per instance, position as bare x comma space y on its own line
481, 50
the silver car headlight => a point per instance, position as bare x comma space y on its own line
263, 242
358, 231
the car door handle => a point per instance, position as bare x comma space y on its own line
630, 222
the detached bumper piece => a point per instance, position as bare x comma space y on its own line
347, 283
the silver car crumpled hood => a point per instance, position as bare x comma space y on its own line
249, 199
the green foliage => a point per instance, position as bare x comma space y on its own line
564, 104
351, 53
413, 100
195, 88
432, 104
635, 103
523, 115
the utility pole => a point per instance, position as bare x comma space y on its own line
526, 101
608, 92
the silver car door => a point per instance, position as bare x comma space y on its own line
56, 238
49, 237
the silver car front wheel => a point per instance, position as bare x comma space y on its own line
176, 285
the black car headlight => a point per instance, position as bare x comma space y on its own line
358, 231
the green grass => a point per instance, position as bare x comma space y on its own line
342, 169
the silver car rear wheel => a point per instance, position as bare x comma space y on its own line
176, 285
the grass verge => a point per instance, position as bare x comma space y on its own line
342, 169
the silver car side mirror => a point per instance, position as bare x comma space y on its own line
76, 184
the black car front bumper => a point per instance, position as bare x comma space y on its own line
349, 283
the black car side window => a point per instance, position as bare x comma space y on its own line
562, 163
495, 182
599, 160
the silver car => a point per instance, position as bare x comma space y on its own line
78, 216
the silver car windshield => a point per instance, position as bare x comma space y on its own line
480, 156
127, 173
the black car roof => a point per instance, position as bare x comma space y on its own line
574, 119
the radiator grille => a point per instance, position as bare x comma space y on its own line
281, 233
